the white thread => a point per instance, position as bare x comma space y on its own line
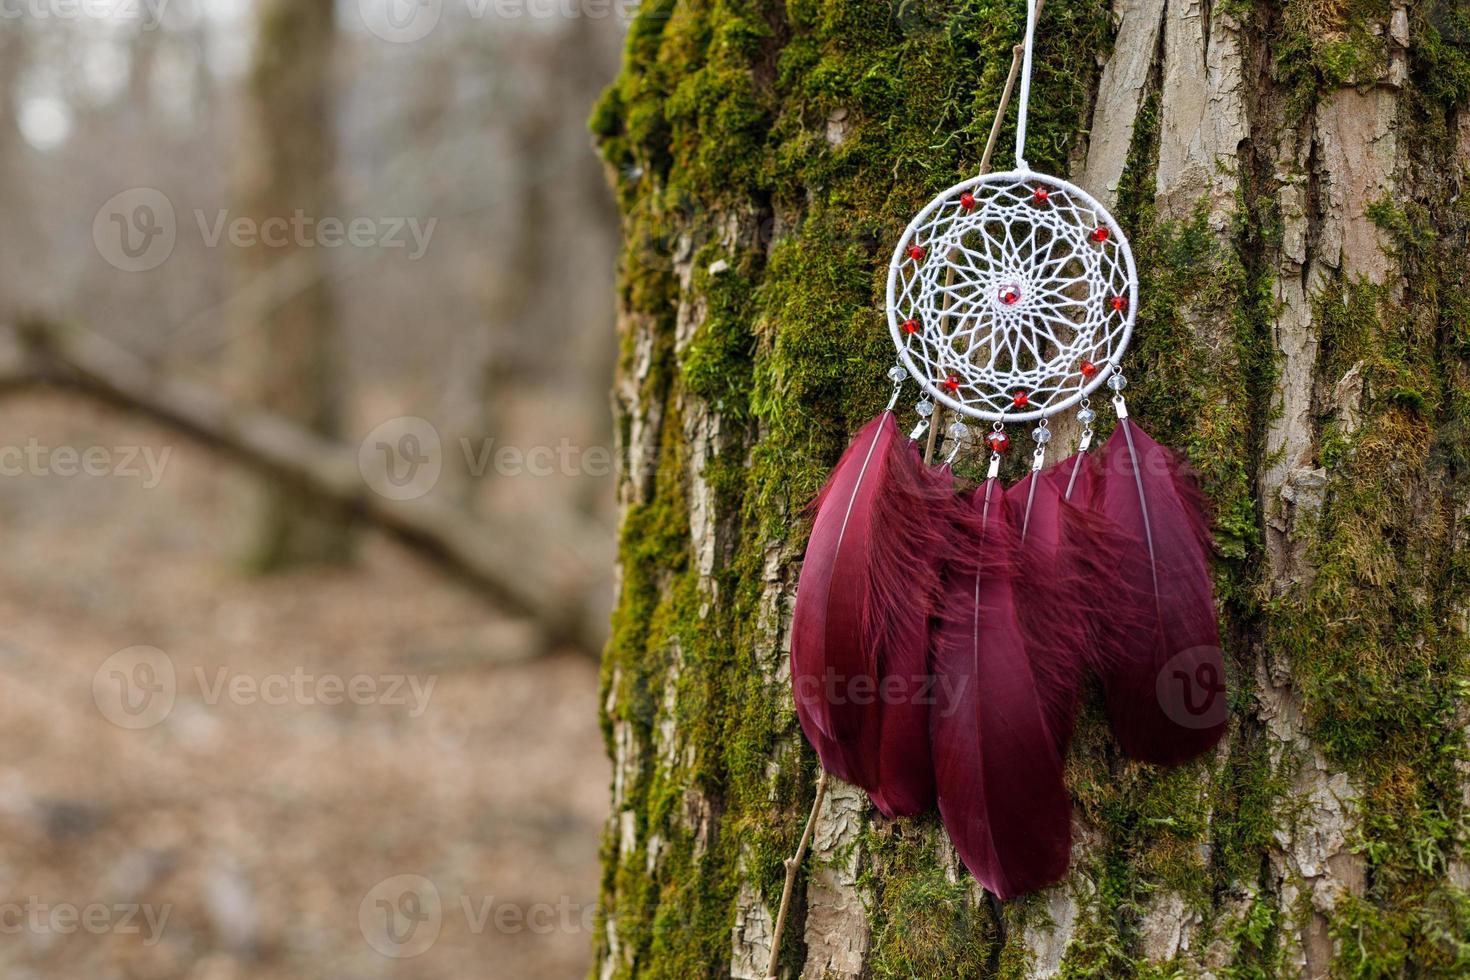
1025, 95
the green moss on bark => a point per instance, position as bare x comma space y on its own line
766, 157
820, 127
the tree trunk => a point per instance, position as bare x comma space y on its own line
289, 343
12, 172
1291, 176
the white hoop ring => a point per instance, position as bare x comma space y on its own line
1077, 199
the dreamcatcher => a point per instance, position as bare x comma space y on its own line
940, 635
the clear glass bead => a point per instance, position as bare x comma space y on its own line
1117, 382
959, 432
925, 408
1087, 416
1041, 435
897, 374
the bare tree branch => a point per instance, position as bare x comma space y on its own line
549, 582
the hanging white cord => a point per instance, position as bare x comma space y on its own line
1025, 99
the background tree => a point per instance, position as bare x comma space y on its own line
288, 335
1292, 176
254, 114
126, 437
12, 170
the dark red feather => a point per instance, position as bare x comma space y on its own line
860, 630
1162, 669
997, 761
1058, 590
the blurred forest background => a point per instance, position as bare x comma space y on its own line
305, 337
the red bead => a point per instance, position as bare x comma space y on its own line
1120, 303
952, 384
999, 442
1100, 235
1088, 369
1021, 400
1041, 194
967, 201
1010, 295
911, 326
916, 252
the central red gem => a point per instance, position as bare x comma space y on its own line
967, 201
1010, 295
952, 384
1100, 235
999, 442
1021, 400
1088, 369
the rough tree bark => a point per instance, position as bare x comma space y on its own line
1292, 177
289, 344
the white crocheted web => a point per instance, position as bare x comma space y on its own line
1014, 295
